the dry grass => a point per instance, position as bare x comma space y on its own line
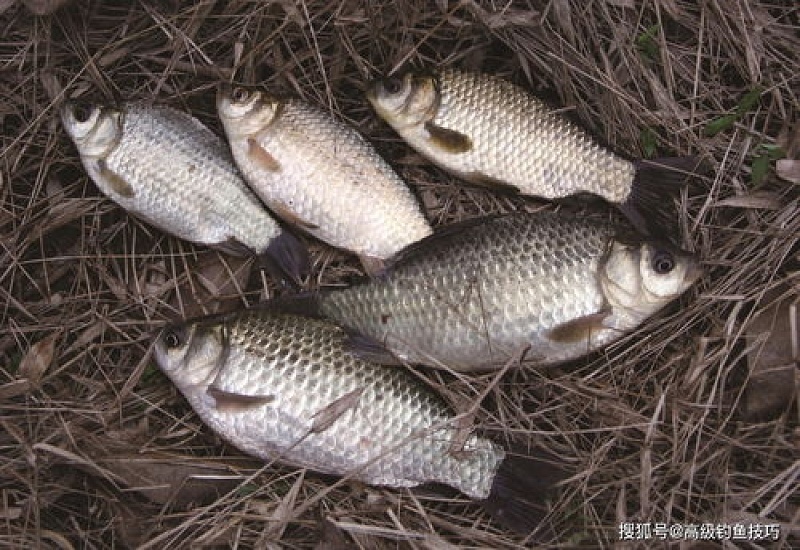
98, 449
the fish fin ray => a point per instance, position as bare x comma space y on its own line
521, 489
233, 247
115, 181
648, 206
235, 402
373, 266
500, 186
290, 216
370, 349
580, 329
261, 156
286, 254
447, 140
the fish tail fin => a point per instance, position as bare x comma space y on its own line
648, 206
287, 256
520, 492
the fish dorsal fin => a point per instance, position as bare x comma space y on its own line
226, 401
440, 234
261, 156
449, 141
114, 180
580, 329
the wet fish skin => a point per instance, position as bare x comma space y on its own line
167, 168
476, 295
320, 174
491, 132
285, 387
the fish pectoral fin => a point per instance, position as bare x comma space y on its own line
481, 179
261, 156
579, 329
234, 247
373, 266
114, 180
371, 350
449, 141
286, 213
330, 413
235, 402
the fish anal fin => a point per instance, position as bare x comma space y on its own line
261, 156
373, 266
449, 141
481, 179
226, 401
371, 350
115, 181
286, 213
580, 329
234, 247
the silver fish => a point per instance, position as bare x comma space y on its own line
169, 169
492, 132
285, 387
320, 175
476, 295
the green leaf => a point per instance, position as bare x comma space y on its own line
647, 44
749, 101
719, 124
759, 169
774, 152
649, 140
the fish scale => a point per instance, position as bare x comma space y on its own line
321, 175
167, 168
399, 432
476, 295
514, 138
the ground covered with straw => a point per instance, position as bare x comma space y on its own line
690, 420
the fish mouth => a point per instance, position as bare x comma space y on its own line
695, 269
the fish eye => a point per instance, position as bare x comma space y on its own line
393, 85
663, 262
81, 112
172, 339
240, 95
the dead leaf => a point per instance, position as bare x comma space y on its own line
772, 336
759, 200
789, 170
43, 7
215, 284
166, 479
325, 417
38, 359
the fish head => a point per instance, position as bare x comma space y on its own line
642, 278
405, 101
94, 129
191, 354
245, 110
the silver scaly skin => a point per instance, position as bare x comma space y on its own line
475, 296
285, 387
492, 132
320, 174
167, 168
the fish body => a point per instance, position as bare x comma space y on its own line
320, 174
167, 168
491, 132
552, 285
285, 387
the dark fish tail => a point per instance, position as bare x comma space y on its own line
286, 255
520, 492
649, 206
